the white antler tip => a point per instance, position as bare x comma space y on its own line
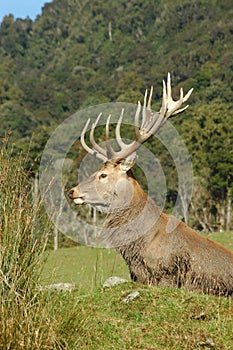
169, 77
164, 86
181, 93
186, 97
87, 123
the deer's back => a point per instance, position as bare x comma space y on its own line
183, 257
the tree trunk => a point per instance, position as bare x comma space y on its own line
55, 247
222, 217
202, 220
110, 30
228, 210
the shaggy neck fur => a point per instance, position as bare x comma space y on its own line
125, 225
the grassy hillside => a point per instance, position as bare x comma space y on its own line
160, 318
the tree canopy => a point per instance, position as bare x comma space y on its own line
80, 53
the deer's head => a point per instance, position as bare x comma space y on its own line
113, 185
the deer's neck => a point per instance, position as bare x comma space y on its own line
129, 223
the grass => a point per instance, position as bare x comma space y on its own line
86, 267
224, 238
161, 318
26, 315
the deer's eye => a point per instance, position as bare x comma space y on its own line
102, 176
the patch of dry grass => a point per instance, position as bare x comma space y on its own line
26, 316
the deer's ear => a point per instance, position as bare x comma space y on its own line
128, 163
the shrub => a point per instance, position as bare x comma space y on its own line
26, 314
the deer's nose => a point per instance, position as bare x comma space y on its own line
70, 193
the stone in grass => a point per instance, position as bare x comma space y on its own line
131, 297
61, 287
208, 344
113, 281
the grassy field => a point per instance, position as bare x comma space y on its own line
88, 267
160, 318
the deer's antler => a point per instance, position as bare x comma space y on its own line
151, 122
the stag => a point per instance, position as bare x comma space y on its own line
180, 257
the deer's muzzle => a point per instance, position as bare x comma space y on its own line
75, 194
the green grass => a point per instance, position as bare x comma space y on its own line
224, 238
86, 267
161, 318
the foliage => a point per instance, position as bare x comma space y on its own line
26, 316
210, 141
80, 53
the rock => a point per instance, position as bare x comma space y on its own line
61, 287
208, 344
131, 296
201, 316
113, 281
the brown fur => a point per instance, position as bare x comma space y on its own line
179, 257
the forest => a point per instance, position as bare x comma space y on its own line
81, 53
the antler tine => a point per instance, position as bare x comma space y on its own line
118, 130
150, 98
110, 152
186, 97
151, 122
83, 143
146, 124
169, 106
92, 139
136, 120
86, 147
164, 100
144, 108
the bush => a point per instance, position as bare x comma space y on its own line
26, 314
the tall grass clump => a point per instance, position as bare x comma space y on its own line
26, 314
